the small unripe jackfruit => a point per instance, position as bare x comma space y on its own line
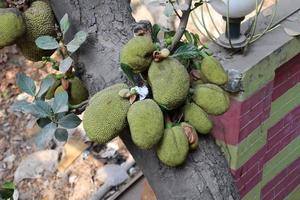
77, 90
174, 147
170, 82
12, 26
197, 117
105, 117
146, 123
137, 53
39, 21
51, 91
213, 71
211, 98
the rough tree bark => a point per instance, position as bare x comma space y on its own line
205, 175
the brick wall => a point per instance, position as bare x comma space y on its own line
260, 137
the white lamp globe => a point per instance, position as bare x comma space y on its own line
237, 8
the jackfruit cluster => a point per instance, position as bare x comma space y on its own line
12, 26
39, 21
211, 98
212, 71
105, 117
137, 53
146, 123
174, 147
170, 83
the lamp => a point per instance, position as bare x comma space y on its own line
234, 12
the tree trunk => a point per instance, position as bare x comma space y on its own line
205, 175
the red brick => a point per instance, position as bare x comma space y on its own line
281, 195
251, 126
293, 184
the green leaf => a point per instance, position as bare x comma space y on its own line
64, 24
45, 135
39, 110
45, 85
42, 122
70, 121
46, 42
65, 64
60, 103
61, 134
7, 190
77, 41
186, 51
155, 31
43, 108
189, 37
26, 84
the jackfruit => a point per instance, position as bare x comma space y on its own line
170, 83
197, 117
211, 98
78, 92
59, 89
39, 21
213, 71
105, 117
51, 91
137, 53
173, 148
116, 87
12, 26
146, 123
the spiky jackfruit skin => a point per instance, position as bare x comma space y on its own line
146, 123
116, 87
137, 53
39, 21
174, 146
12, 26
170, 83
105, 117
78, 92
197, 117
211, 98
213, 71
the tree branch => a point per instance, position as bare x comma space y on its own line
172, 3
182, 26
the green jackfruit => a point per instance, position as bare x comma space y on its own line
197, 117
211, 98
116, 87
51, 91
105, 117
146, 123
39, 21
137, 53
213, 71
170, 83
12, 26
174, 147
59, 89
78, 92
